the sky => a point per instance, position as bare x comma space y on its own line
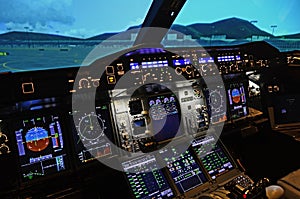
88, 18
283, 13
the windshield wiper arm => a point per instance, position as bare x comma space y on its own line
161, 14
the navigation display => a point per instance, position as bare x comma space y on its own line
213, 157
216, 104
41, 147
184, 169
92, 134
146, 181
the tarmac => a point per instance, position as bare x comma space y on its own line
21, 59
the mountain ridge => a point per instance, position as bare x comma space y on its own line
233, 28
19, 35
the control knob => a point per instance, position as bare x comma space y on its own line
4, 149
3, 138
178, 70
189, 70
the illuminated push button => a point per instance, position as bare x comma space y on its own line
27, 88
110, 70
121, 72
276, 88
270, 89
111, 79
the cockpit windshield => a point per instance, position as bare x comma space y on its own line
219, 22
149, 99
71, 18
39, 35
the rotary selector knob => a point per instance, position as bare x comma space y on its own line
189, 70
3, 138
4, 149
178, 70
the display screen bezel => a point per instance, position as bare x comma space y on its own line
125, 174
66, 149
180, 131
75, 138
223, 149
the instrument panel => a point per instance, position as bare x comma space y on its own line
145, 98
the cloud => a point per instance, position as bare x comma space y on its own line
35, 13
80, 33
